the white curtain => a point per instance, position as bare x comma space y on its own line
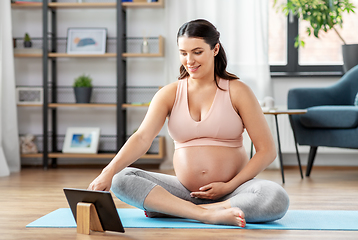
9, 140
243, 27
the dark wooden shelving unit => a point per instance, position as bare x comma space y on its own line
49, 61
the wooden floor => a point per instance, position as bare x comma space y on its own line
32, 193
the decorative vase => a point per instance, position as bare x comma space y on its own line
145, 46
83, 94
350, 56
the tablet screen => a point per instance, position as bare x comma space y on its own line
103, 202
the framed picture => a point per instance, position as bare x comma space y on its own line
86, 40
29, 95
81, 140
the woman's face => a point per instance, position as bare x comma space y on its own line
197, 57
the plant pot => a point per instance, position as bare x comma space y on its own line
350, 56
83, 94
27, 44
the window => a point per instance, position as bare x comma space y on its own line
323, 55
277, 35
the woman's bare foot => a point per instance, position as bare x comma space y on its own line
217, 214
216, 206
230, 216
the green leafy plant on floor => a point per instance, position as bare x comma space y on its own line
83, 81
323, 15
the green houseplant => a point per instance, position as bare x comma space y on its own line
27, 41
323, 15
83, 88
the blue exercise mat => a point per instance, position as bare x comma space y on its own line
293, 220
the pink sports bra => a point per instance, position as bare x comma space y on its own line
221, 126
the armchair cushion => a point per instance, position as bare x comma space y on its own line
333, 117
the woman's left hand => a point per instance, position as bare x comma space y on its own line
212, 191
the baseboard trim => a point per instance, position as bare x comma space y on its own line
323, 168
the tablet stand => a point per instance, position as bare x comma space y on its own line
87, 218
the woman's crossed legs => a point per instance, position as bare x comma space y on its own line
254, 201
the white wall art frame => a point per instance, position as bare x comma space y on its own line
29, 95
81, 140
86, 40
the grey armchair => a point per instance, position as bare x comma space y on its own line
331, 119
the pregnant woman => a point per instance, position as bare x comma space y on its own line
208, 109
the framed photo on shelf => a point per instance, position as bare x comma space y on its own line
81, 140
29, 95
86, 40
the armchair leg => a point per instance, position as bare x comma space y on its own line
311, 157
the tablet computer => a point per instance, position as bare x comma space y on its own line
103, 202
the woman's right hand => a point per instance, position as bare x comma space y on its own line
103, 182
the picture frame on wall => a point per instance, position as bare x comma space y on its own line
81, 140
29, 95
86, 40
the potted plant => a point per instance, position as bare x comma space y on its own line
83, 88
27, 41
323, 15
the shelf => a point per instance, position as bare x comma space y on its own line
106, 55
55, 105
28, 55
29, 105
81, 5
128, 50
160, 53
26, 5
81, 155
128, 105
99, 155
142, 55
66, 55
144, 4
159, 155
32, 155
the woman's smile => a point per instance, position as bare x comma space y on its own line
193, 69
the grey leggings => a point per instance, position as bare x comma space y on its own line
260, 200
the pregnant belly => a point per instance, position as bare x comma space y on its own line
198, 166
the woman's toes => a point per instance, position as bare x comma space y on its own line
241, 214
242, 222
238, 212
